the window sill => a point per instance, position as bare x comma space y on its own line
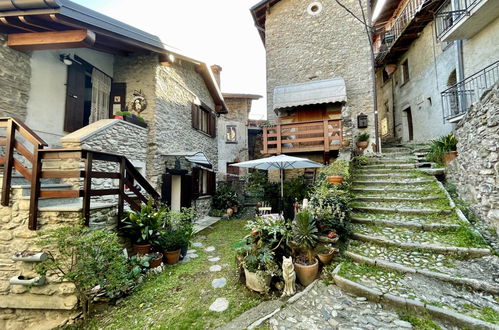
204, 133
203, 197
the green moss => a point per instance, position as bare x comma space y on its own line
180, 297
420, 322
349, 269
486, 314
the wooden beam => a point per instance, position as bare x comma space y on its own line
51, 40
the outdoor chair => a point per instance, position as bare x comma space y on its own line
264, 209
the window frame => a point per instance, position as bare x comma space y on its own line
227, 127
203, 119
405, 72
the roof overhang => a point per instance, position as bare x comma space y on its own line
313, 92
33, 19
194, 157
259, 13
241, 96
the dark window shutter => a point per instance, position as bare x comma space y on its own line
195, 116
212, 183
118, 98
195, 182
166, 189
75, 98
186, 194
213, 125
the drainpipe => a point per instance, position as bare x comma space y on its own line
460, 74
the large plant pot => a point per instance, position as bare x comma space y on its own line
171, 257
156, 262
335, 179
362, 144
141, 248
257, 282
449, 157
307, 273
325, 258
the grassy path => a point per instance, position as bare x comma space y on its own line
180, 297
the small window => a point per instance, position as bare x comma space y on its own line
231, 134
203, 119
405, 72
203, 182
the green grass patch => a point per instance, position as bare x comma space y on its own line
349, 269
420, 322
486, 314
180, 297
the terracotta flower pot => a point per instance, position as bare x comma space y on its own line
449, 157
335, 179
307, 273
141, 248
171, 257
326, 258
156, 262
363, 144
257, 282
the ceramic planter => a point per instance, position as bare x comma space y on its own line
172, 257
21, 280
362, 144
449, 157
28, 257
325, 258
257, 282
156, 262
141, 248
335, 179
307, 273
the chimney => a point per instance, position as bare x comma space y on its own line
216, 69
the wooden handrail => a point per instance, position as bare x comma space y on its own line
127, 174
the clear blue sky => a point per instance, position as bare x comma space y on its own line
216, 31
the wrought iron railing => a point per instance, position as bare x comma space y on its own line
388, 37
451, 12
457, 99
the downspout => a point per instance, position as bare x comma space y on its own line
460, 74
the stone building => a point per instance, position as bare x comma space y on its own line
65, 72
318, 77
434, 59
233, 137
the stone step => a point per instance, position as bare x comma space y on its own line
389, 189
404, 224
396, 150
359, 176
384, 170
393, 166
420, 211
75, 206
378, 198
415, 219
417, 293
393, 161
392, 182
453, 250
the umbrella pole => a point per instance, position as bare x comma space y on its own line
282, 192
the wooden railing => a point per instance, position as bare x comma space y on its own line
318, 135
129, 178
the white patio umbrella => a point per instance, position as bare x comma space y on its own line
280, 162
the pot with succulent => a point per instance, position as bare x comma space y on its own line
305, 237
171, 242
143, 227
363, 140
336, 172
325, 253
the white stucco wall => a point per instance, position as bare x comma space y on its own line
231, 152
47, 97
482, 49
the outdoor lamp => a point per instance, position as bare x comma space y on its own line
66, 59
362, 121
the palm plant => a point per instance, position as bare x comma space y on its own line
305, 233
440, 146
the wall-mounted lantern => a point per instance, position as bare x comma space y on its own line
362, 121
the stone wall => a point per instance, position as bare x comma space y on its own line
49, 305
302, 47
15, 73
475, 171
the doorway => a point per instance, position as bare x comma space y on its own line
410, 128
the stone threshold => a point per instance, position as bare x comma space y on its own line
403, 224
411, 305
472, 252
473, 283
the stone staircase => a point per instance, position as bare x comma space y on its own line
413, 250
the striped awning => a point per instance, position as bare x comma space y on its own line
313, 92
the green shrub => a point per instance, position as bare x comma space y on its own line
339, 167
172, 240
440, 146
225, 197
363, 137
143, 226
88, 258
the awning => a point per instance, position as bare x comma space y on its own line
313, 92
195, 157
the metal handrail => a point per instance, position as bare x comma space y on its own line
450, 13
458, 99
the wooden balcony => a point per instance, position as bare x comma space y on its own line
307, 136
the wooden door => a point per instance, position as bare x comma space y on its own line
75, 98
410, 127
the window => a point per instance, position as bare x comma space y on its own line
231, 134
405, 72
203, 119
203, 182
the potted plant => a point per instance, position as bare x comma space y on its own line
336, 171
131, 118
259, 267
363, 140
182, 223
305, 237
443, 150
171, 241
345, 143
143, 227
325, 253
156, 259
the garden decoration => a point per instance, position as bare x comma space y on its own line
281, 163
289, 276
